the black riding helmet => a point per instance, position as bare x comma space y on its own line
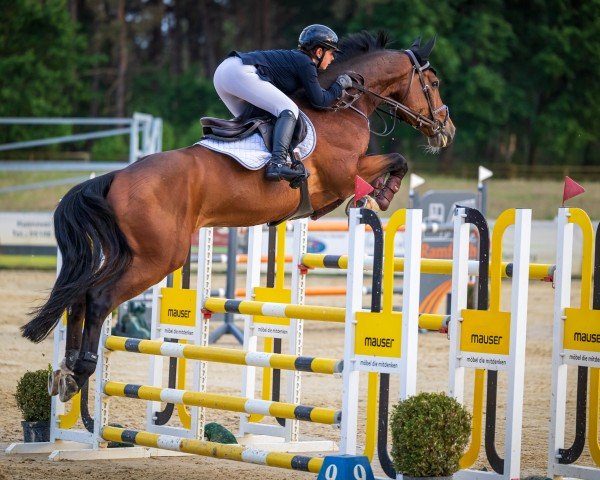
318, 36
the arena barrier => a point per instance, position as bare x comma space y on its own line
577, 343
484, 357
514, 350
438, 206
169, 323
360, 353
266, 315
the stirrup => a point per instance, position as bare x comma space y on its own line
303, 174
275, 172
295, 174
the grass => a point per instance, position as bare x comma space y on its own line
543, 196
36, 200
27, 262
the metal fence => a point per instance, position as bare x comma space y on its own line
145, 137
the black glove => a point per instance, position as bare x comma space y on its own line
344, 81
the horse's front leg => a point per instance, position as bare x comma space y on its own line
385, 172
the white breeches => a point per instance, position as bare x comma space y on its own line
238, 84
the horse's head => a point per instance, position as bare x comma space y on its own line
415, 96
401, 79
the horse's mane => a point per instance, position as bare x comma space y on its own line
353, 46
357, 44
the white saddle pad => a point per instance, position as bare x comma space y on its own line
252, 153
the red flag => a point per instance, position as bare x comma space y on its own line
572, 189
361, 188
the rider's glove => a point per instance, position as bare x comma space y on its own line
344, 81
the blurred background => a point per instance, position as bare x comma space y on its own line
520, 77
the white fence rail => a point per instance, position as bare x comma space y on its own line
145, 137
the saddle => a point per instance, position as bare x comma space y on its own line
252, 120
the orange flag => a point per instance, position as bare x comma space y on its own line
361, 188
572, 189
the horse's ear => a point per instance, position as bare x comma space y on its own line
416, 44
425, 51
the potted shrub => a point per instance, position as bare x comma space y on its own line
429, 434
34, 402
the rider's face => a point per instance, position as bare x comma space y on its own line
327, 58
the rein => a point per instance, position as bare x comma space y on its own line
398, 107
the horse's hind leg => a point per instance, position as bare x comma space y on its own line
100, 301
75, 316
82, 362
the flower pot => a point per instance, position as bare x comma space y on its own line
36, 431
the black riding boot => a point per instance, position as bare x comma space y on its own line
277, 168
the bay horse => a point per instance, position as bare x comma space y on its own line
124, 231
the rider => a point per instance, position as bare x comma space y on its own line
266, 78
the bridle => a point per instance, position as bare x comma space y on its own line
395, 108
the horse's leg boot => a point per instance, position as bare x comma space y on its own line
277, 168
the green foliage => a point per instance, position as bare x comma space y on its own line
111, 148
517, 88
181, 101
32, 396
519, 91
41, 54
429, 434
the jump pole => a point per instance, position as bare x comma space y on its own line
366, 329
256, 325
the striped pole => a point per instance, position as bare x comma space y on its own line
225, 355
212, 449
309, 291
228, 403
434, 322
242, 258
428, 321
435, 266
280, 310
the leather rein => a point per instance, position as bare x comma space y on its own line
398, 107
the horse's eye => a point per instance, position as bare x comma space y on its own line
435, 83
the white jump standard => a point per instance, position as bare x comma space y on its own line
576, 342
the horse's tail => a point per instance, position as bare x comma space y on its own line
93, 247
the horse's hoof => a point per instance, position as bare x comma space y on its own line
67, 388
53, 381
365, 202
372, 204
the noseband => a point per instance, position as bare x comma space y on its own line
395, 107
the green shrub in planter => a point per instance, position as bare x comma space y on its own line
34, 402
429, 434
32, 396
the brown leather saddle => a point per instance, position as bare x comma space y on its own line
253, 120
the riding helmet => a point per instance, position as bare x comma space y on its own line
318, 36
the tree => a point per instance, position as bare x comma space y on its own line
41, 55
